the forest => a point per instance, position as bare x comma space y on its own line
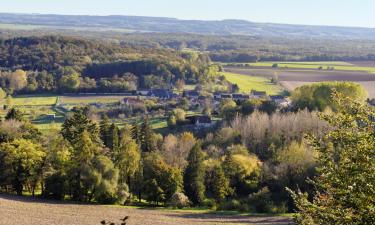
58, 64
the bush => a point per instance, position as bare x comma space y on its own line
179, 200
210, 203
55, 186
232, 204
261, 201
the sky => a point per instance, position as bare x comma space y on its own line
359, 13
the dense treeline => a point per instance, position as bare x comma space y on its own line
232, 48
56, 63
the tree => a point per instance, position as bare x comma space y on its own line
69, 82
17, 80
176, 149
228, 109
105, 127
146, 137
84, 151
21, 161
113, 141
216, 182
346, 164
319, 96
194, 176
161, 180
128, 158
100, 180
14, 114
3, 94
78, 122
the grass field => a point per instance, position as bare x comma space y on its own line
247, 83
89, 99
32, 211
34, 100
345, 66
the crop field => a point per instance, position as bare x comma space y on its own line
247, 83
340, 66
19, 210
292, 78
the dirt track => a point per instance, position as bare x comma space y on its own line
26, 211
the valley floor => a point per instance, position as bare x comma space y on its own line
22, 211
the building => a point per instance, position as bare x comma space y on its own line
240, 97
258, 94
161, 93
280, 101
201, 121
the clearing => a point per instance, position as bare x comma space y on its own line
19, 210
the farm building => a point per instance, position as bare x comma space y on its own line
258, 94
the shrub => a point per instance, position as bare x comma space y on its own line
179, 200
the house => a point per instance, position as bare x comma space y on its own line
226, 96
191, 94
217, 95
201, 121
258, 94
280, 101
240, 97
161, 93
143, 92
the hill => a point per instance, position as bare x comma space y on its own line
171, 25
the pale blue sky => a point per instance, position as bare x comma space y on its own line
315, 12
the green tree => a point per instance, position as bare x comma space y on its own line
14, 114
22, 161
146, 137
69, 82
78, 122
217, 183
228, 109
319, 96
346, 164
194, 176
128, 158
161, 181
105, 127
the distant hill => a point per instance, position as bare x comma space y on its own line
171, 25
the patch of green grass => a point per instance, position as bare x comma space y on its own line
9, 26
89, 99
315, 65
247, 83
34, 100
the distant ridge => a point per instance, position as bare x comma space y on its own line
172, 25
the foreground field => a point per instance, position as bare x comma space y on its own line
17, 210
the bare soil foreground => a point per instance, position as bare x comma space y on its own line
292, 78
28, 211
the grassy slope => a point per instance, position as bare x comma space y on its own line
247, 83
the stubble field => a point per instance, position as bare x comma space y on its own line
291, 78
22, 211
